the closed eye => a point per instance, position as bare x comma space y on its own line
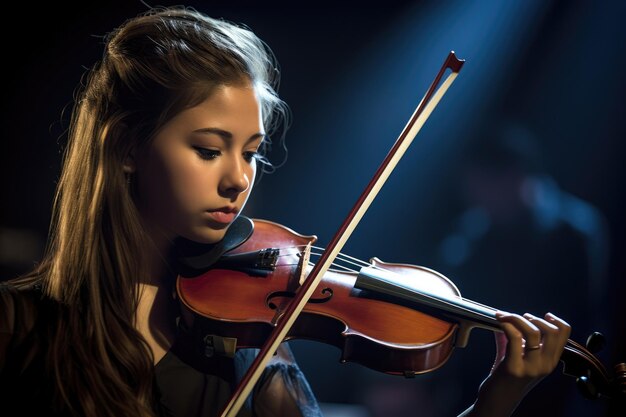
207, 154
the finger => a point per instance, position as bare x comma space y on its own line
501, 347
514, 358
564, 330
564, 327
550, 337
530, 332
515, 340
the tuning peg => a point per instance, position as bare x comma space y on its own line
595, 342
587, 388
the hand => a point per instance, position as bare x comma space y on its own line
528, 349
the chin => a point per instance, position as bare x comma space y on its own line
207, 236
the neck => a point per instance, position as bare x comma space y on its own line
155, 318
156, 257
426, 292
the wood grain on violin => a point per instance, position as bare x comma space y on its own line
385, 330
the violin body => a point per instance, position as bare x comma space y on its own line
384, 332
382, 335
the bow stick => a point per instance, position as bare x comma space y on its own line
290, 314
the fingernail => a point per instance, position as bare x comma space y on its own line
550, 315
529, 316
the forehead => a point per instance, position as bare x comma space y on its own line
226, 103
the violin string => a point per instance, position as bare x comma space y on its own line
338, 266
360, 263
355, 261
341, 256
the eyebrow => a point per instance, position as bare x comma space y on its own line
226, 135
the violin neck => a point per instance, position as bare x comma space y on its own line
408, 289
591, 376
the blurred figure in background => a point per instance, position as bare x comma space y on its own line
519, 231
520, 243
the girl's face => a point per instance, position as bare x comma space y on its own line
197, 173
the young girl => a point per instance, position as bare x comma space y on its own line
165, 142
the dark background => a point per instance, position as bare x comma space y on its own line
544, 76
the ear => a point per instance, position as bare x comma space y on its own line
129, 166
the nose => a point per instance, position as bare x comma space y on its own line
235, 179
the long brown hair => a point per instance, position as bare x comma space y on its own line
153, 66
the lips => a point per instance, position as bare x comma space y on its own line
223, 215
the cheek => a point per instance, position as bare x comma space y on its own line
172, 188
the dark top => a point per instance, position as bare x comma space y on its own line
184, 389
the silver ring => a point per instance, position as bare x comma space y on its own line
532, 347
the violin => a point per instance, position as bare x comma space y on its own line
399, 319
261, 275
